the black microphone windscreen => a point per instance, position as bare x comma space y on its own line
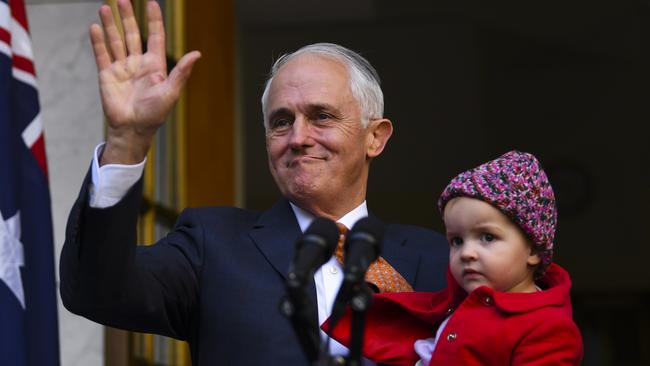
325, 229
313, 249
367, 226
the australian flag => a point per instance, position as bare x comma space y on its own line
28, 312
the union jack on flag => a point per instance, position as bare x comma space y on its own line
28, 312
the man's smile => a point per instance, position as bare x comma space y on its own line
304, 159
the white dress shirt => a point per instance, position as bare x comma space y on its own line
111, 182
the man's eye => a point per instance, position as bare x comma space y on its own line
278, 123
322, 116
488, 237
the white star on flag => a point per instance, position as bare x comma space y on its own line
11, 256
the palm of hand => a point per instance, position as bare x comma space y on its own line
135, 93
135, 90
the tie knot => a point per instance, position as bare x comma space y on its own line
342, 229
381, 274
338, 253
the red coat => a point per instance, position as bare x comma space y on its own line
487, 327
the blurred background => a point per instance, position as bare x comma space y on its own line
464, 81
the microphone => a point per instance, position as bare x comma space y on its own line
362, 247
313, 249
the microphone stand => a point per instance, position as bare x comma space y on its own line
297, 307
360, 302
360, 299
313, 248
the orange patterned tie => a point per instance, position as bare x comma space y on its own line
380, 274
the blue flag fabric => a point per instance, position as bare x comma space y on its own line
28, 311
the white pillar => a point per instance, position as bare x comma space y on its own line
72, 118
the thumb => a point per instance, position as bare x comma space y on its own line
181, 72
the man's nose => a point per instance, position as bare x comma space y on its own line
301, 133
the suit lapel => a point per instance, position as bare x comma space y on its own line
275, 234
399, 255
276, 231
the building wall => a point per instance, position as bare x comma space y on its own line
72, 118
462, 85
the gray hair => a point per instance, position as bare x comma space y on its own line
364, 80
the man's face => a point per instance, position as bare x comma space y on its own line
318, 150
486, 248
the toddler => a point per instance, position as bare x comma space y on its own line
506, 302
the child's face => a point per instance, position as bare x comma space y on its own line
487, 248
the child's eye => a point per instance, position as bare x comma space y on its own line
488, 237
456, 241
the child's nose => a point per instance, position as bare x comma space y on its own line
468, 252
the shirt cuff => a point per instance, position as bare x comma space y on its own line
111, 182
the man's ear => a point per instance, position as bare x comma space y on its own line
378, 133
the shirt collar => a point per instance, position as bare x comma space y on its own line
349, 219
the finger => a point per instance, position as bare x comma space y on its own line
131, 30
115, 43
182, 71
156, 38
102, 58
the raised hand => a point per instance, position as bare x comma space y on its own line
135, 90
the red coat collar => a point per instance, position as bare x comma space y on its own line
416, 315
556, 285
429, 307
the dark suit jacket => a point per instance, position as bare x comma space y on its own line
215, 280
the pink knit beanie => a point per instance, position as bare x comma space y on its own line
515, 184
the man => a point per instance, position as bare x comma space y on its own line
217, 279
